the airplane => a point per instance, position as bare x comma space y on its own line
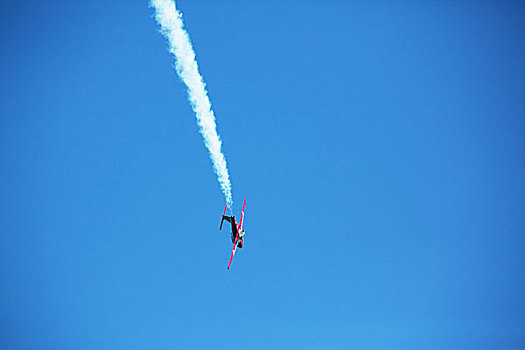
237, 231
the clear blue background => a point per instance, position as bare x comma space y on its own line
380, 148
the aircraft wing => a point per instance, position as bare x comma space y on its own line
242, 216
233, 252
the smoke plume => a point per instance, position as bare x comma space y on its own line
172, 28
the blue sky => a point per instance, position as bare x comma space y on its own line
380, 147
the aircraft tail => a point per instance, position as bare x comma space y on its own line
220, 228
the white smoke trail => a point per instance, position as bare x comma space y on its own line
172, 28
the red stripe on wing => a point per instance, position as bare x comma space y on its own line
242, 216
233, 252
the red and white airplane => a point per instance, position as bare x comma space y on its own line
237, 231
